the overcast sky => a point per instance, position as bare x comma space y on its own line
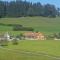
55, 2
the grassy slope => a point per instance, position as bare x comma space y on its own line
42, 24
50, 47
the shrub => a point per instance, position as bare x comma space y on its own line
17, 27
15, 41
21, 28
57, 35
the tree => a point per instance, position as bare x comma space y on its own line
49, 10
1, 9
58, 11
20, 8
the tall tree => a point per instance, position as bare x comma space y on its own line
20, 8
58, 11
49, 10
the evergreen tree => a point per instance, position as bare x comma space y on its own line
21, 8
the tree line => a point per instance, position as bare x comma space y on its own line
24, 8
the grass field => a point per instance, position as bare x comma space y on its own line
42, 24
31, 50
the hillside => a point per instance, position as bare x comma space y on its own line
42, 24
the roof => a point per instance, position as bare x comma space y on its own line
33, 34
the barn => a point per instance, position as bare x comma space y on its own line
34, 36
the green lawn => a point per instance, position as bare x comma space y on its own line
37, 49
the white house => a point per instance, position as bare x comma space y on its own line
5, 36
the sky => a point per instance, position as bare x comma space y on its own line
54, 2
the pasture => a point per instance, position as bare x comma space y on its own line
31, 50
42, 24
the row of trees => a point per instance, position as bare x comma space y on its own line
24, 8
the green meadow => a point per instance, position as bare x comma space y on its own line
42, 24
31, 50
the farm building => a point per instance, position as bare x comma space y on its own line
5, 36
34, 36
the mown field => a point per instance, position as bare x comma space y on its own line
31, 50
42, 24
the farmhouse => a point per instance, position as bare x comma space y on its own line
34, 36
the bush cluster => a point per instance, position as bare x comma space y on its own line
21, 28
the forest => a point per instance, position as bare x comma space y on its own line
24, 8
